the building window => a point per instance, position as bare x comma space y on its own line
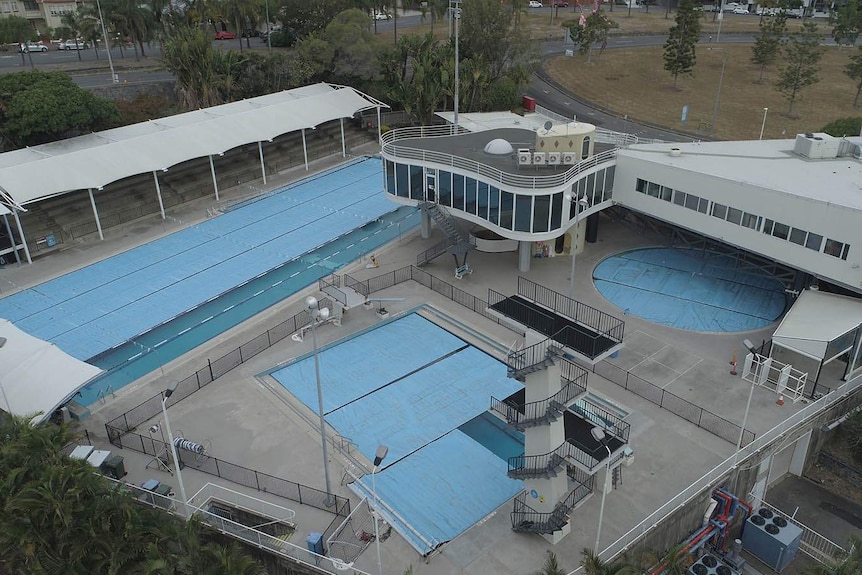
679, 198
691, 202
814, 242
417, 176
640, 186
523, 212
750, 221
494, 205
666, 193
507, 208
781, 231
470, 203
837, 249
797, 236
483, 200
402, 179
719, 211
444, 188
31, 5
734, 216
458, 192
557, 211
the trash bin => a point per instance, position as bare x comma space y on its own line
315, 543
114, 467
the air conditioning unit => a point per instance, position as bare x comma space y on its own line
554, 158
538, 158
770, 537
710, 565
525, 157
570, 158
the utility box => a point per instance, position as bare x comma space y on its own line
528, 103
315, 543
771, 538
114, 467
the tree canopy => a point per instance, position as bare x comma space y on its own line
679, 50
802, 55
39, 107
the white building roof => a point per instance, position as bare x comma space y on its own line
769, 164
97, 159
815, 319
38, 377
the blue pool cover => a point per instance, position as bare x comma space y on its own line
690, 289
105, 304
410, 385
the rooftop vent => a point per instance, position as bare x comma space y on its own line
499, 147
818, 146
675, 152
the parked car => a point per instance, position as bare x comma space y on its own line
381, 16
535, 4
225, 35
741, 10
72, 45
561, 4
33, 47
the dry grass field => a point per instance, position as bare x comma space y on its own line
633, 82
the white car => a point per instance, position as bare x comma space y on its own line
741, 10
381, 16
72, 45
535, 4
33, 47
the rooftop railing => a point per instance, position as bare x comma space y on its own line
483, 171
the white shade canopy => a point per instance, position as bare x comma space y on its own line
37, 376
95, 160
816, 319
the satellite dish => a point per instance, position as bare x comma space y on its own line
548, 125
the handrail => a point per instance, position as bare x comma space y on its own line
603, 323
356, 285
333, 282
520, 414
531, 356
610, 422
486, 172
523, 513
547, 462
540, 321
717, 473
437, 249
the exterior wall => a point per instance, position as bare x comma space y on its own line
529, 215
830, 222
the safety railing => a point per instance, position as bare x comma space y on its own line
434, 251
531, 357
604, 324
718, 473
522, 466
483, 171
813, 543
526, 519
610, 422
330, 285
355, 285
523, 415
212, 492
532, 318
249, 534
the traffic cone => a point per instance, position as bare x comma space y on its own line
733, 365
780, 400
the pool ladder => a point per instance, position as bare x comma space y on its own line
103, 394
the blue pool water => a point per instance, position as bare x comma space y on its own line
494, 435
423, 392
690, 289
354, 229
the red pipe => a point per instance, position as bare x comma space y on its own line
706, 531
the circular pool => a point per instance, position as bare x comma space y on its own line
690, 289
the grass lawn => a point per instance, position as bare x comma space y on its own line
633, 81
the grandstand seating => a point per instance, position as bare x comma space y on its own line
69, 217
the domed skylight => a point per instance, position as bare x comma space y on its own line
499, 147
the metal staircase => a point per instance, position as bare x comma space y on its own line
525, 519
454, 243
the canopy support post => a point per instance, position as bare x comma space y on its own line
304, 150
343, 147
215, 181
379, 133
12, 239
262, 165
23, 239
159, 193
96, 214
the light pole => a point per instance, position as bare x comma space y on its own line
720, 19
167, 393
750, 347
316, 313
268, 31
114, 78
599, 435
718, 92
578, 203
379, 456
763, 124
456, 14
3, 389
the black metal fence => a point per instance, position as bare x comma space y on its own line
234, 473
695, 414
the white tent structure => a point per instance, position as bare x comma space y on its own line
819, 329
37, 377
95, 160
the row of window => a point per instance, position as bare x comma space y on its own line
9, 6
517, 212
733, 215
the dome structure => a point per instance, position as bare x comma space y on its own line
499, 147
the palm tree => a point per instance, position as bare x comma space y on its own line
438, 10
550, 566
594, 565
238, 12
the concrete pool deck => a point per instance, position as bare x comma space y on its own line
252, 423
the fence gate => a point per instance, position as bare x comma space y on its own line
351, 538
